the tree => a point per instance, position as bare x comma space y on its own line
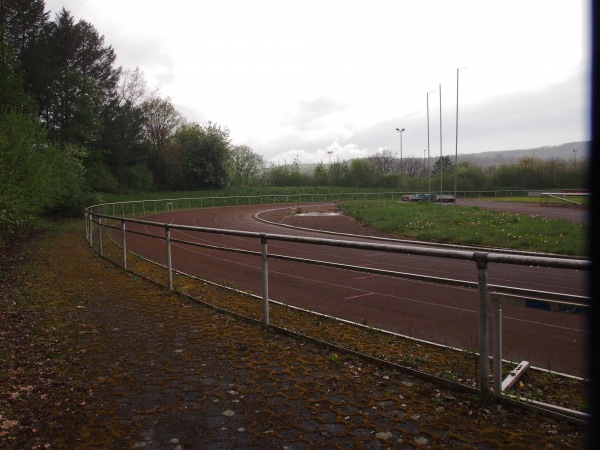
470, 177
321, 175
131, 87
413, 167
73, 80
122, 141
445, 165
338, 172
245, 164
37, 177
205, 152
161, 119
12, 94
362, 173
21, 23
384, 161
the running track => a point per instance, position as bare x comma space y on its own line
442, 314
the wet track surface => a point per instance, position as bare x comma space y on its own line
443, 314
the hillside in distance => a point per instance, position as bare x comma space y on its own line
499, 157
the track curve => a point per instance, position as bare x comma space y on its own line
442, 314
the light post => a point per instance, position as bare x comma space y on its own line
574, 156
329, 152
401, 165
456, 147
424, 163
428, 154
441, 157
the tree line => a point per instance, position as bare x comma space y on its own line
386, 170
73, 125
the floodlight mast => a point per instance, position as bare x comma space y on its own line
401, 165
456, 147
441, 156
428, 154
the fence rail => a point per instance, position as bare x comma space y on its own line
113, 216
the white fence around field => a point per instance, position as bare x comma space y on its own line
114, 215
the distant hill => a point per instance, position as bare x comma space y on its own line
496, 158
499, 157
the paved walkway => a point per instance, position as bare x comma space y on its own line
159, 372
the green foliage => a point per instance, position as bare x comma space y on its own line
284, 175
205, 153
362, 173
138, 178
321, 175
245, 165
25, 189
36, 176
470, 177
12, 94
532, 173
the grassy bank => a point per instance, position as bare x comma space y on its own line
471, 226
581, 199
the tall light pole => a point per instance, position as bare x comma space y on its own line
456, 147
401, 165
428, 154
329, 152
574, 156
424, 151
441, 157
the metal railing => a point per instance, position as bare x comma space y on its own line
99, 217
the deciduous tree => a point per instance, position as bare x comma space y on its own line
205, 152
245, 164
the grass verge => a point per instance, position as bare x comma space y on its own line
471, 226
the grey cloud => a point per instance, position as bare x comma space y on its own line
554, 115
310, 112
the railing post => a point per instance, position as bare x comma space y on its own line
87, 227
497, 346
484, 368
124, 244
92, 230
265, 280
100, 235
169, 266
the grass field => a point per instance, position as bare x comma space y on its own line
471, 226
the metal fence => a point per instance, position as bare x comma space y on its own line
153, 206
114, 216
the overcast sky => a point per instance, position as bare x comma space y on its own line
301, 78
